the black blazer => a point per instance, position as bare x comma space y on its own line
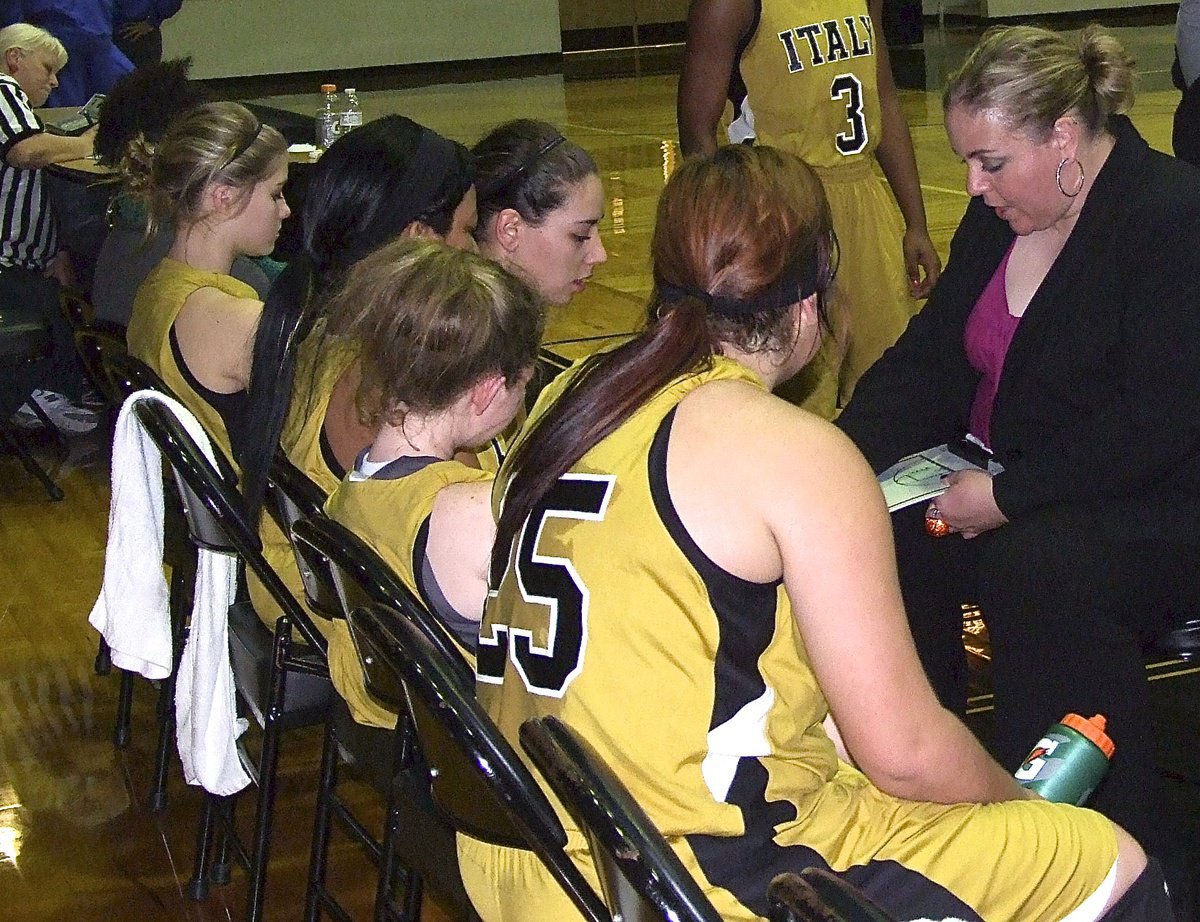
1097, 403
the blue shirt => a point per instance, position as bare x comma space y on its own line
153, 11
64, 19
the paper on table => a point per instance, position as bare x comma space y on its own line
920, 476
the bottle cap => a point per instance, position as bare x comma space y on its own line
328, 88
351, 89
1093, 729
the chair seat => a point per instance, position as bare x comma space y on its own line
1182, 641
306, 697
23, 334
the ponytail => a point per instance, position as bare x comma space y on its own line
287, 316
603, 393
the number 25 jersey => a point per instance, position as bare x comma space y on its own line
610, 617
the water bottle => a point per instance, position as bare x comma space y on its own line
352, 114
1069, 760
329, 118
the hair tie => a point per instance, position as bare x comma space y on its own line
797, 282
668, 293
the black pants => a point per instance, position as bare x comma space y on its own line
1185, 129
1068, 607
30, 290
143, 52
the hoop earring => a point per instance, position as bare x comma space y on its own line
1058, 177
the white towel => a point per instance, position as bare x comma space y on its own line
207, 725
132, 611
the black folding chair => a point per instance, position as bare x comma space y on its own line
292, 497
817, 895
117, 375
282, 684
477, 780
24, 343
342, 572
642, 878
94, 342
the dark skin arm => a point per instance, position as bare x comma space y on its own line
895, 155
714, 29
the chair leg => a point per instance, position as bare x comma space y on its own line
103, 663
162, 755
267, 772
30, 463
180, 603
391, 874
124, 710
197, 887
322, 824
222, 868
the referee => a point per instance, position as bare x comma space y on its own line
31, 264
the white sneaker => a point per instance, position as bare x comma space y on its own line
66, 416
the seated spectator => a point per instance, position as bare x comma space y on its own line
695, 574
217, 177
32, 264
447, 340
140, 107
85, 27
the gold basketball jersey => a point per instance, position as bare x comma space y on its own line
611, 618
392, 516
812, 82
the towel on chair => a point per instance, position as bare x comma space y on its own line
133, 613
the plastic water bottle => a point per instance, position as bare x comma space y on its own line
352, 114
1069, 760
329, 117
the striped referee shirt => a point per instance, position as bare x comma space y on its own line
27, 233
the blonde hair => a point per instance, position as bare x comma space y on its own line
30, 39
431, 322
217, 142
1032, 77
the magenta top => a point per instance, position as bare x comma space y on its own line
989, 331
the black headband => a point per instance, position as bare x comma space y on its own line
507, 178
242, 148
798, 281
434, 159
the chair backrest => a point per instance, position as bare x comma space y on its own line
642, 877
478, 780
817, 895
125, 373
360, 577
93, 341
216, 517
292, 496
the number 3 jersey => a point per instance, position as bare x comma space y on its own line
811, 78
811, 72
695, 687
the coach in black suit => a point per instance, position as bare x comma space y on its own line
1091, 240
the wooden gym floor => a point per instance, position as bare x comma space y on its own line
76, 837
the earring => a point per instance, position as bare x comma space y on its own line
1058, 177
